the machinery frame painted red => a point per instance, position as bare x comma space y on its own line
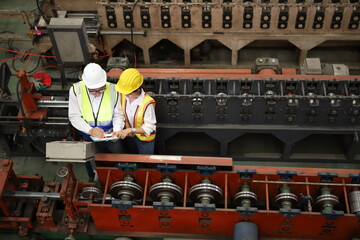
184, 220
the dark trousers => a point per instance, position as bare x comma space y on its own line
136, 146
109, 147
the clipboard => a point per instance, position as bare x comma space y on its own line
108, 137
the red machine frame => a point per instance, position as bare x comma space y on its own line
183, 220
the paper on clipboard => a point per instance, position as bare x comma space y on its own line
108, 137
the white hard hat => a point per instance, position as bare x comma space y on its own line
94, 76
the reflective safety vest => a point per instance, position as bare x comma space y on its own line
104, 116
139, 115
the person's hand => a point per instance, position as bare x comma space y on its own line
97, 132
123, 133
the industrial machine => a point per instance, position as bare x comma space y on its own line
179, 196
252, 80
264, 113
212, 33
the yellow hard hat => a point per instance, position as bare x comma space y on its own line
130, 80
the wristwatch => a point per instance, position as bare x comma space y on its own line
133, 130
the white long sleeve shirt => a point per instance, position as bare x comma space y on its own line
80, 124
149, 125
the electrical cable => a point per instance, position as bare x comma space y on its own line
27, 63
41, 11
107, 55
9, 59
135, 59
102, 44
42, 69
131, 29
11, 47
36, 66
30, 54
7, 32
134, 52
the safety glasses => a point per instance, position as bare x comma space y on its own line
98, 90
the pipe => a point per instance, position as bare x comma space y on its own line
50, 195
245, 231
114, 32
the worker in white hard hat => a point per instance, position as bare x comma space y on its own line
139, 112
95, 109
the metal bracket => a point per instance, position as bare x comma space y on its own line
332, 214
127, 167
163, 206
166, 169
205, 207
246, 211
246, 174
327, 176
355, 178
289, 213
286, 175
206, 170
120, 204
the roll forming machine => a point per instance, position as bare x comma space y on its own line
264, 113
178, 196
204, 34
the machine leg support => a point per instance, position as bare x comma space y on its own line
245, 231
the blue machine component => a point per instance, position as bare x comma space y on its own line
246, 211
206, 170
127, 167
286, 175
289, 213
205, 207
120, 204
166, 169
355, 178
246, 174
332, 214
327, 176
163, 206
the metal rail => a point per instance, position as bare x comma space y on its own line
308, 183
52, 196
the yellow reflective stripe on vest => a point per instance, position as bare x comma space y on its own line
106, 107
139, 115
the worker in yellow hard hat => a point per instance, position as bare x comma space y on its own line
95, 109
139, 112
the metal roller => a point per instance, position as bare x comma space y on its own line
166, 191
245, 198
327, 200
126, 190
286, 199
91, 192
205, 192
354, 200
